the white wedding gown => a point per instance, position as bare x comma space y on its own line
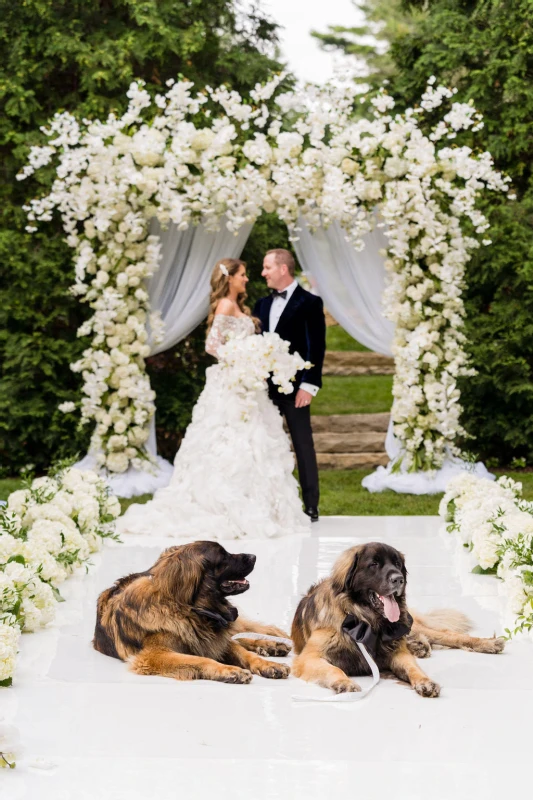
233, 472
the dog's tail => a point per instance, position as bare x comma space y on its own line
444, 619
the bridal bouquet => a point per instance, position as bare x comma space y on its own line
47, 531
494, 522
251, 360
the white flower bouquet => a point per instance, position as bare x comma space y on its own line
251, 360
495, 524
47, 531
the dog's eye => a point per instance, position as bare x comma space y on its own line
373, 564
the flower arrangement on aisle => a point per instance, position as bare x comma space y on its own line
251, 360
184, 157
494, 522
47, 532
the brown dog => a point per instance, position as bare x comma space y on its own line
365, 598
175, 619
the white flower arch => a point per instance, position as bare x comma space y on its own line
187, 157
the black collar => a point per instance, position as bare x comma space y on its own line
219, 620
362, 633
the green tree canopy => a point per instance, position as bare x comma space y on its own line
384, 21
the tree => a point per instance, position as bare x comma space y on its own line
385, 21
81, 56
484, 48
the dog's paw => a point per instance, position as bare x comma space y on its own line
493, 646
419, 645
276, 649
345, 685
427, 688
233, 675
271, 670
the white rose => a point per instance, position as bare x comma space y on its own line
202, 139
349, 166
117, 462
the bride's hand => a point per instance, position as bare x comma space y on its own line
303, 398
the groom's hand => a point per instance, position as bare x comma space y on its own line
303, 398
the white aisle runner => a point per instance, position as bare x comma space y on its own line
108, 734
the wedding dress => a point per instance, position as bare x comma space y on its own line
233, 472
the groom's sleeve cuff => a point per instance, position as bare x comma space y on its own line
309, 387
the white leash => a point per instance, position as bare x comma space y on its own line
344, 697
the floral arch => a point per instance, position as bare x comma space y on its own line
217, 158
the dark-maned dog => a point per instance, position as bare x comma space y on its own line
175, 619
369, 581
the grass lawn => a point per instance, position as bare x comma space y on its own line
360, 394
342, 494
338, 339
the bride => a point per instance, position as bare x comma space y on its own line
233, 472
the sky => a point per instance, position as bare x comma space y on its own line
298, 18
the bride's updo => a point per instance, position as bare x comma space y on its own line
220, 287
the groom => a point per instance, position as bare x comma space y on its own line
298, 317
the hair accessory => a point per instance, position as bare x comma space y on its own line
224, 270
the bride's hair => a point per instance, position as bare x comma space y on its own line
220, 288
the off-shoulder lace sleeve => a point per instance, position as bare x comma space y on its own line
218, 335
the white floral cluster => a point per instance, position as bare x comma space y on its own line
251, 360
184, 157
493, 521
47, 531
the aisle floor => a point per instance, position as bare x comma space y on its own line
91, 729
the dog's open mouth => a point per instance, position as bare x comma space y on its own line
236, 586
386, 605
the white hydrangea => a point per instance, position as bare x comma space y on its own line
498, 524
47, 532
9, 637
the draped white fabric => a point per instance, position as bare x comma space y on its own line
179, 290
351, 284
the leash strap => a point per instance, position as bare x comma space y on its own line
345, 697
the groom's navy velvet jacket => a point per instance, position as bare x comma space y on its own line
302, 323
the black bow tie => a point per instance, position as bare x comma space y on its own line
362, 632
282, 294
218, 620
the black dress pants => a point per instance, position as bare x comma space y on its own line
299, 424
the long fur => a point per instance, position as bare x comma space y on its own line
328, 656
148, 619
444, 619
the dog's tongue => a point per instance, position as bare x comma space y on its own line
391, 608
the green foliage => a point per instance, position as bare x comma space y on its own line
385, 21
81, 56
485, 50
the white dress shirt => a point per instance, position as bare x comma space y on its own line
276, 310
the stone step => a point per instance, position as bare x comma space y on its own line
351, 460
350, 423
370, 442
356, 363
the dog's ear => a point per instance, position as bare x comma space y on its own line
345, 568
404, 568
178, 572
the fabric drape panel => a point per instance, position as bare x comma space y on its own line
350, 283
179, 290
